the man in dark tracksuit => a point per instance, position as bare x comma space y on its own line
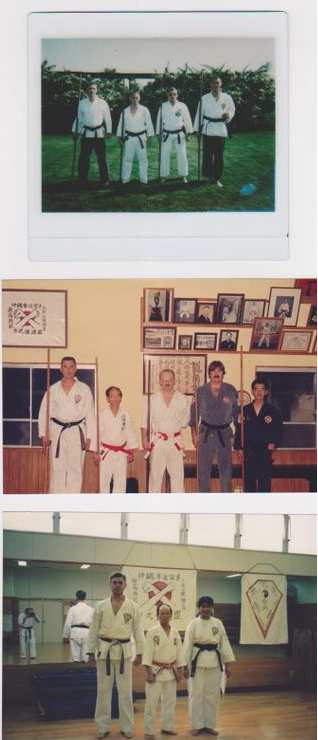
214, 408
262, 432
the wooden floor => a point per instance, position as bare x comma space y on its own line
246, 716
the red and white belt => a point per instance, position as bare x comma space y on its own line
165, 438
114, 448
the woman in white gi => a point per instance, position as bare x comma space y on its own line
163, 660
207, 649
117, 442
133, 130
214, 112
77, 624
116, 621
169, 413
26, 621
72, 428
173, 126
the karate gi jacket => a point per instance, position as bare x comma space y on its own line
163, 648
125, 624
206, 631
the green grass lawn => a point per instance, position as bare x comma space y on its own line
248, 158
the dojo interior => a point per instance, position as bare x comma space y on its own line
106, 321
272, 686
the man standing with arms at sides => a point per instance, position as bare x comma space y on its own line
214, 408
117, 442
207, 649
133, 130
214, 112
116, 620
71, 428
173, 126
169, 413
163, 661
26, 621
92, 123
78, 622
263, 427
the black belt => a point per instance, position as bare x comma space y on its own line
29, 629
210, 647
139, 134
94, 128
115, 641
166, 133
82, 626
214, 428
68, 425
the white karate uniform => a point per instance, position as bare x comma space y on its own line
173, 118
205, 686
27, 635
214, 108
93, 113
125, 624
115, 430
135, 146
161, 648
167, 420
66, 470
78, 614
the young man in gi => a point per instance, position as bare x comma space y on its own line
263, 426
173, 126
214, 112
77, 624
169, 413
116, 621
134, 128
163, 661
72, 428
92, 123
213, 410
26, 621
207, 649
117, 442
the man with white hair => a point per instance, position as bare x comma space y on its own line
214, 112
173, 126
92, 123
134, 128
76, 627
169, 413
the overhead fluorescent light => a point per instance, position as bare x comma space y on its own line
85, 566
22, 563
234, 575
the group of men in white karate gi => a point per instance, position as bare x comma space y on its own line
116, 635
68, 428
93, 124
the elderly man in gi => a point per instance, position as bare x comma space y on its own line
169, 413
163, 661
134, 128
213, 410
173, 126
117, 442
214, 112
92, 123
116, 621
26, 622
77, 624
72, 428
207, 649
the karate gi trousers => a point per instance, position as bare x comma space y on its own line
104, 695
66, 470
114, 466
204, 697
209, 446
88, 144
167, 146
78, 645
27, 643
166, 692
258, 470
166, 456
132, 149
213, 152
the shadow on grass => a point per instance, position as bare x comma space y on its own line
117, 188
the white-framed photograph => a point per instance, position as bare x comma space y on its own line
112, 114
34, 318
284, 304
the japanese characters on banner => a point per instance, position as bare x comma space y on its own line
34, 318
263, 609
152, 586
